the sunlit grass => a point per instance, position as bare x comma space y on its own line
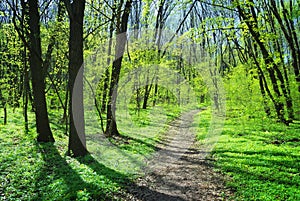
32, 171
140, 132
261, 156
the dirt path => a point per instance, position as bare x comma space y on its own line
179, 171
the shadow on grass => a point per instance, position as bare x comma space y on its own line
280, 171
126, 140
57, 180
262, 153
57, 176
133, 190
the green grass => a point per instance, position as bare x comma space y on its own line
140, 132
261, 156
33, 171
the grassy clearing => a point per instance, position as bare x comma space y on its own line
261, 156
32, 171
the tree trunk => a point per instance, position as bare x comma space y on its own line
121, 38
3, 104
77, 141
5, 114
290, 35
38, 75
137, 91
271, 66
25, 91
147, 93
285, 88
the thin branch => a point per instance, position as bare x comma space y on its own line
222, 29
217, 5
46, 7
98, 10
68, 7
96, 104
181, 24
91, 32
56, 90
107, 3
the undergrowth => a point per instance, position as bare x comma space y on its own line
260, 156
42, 171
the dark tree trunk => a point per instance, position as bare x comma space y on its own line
25, 91
271, 66
262, 84
155, 92
65, 113
3, 104
148, 88
137, 91
291, 37
160, 23
25, 72
38, 75
285, 88
77, 141
5, 114
121, 38
147, 94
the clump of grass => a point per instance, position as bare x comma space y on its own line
261, 156
202, 122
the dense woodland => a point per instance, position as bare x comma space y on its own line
241, 57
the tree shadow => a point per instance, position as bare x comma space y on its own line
258, 160
131, 189
68, 181
58, 177
126, 140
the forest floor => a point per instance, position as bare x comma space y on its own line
179, 170
258, 158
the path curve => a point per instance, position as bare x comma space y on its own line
179, 171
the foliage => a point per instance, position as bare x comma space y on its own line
11, 66
252, 44
242, 93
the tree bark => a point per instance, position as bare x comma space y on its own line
290, 35
25, 92
77, 140
38, 75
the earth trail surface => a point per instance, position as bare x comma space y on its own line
179, 171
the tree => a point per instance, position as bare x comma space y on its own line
77, 141
272, 67
38, 73
121, 38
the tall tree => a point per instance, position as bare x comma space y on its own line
288, 28
272, 67
121, 38
38, 73
77, 141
